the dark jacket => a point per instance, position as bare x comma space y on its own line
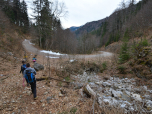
22, 68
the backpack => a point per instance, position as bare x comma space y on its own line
23, 67
29, 76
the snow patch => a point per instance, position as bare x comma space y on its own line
31, 43
51, 52
72, 60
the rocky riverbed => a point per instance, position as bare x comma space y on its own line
119, 93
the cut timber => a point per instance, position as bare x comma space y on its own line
49, 78
87, 89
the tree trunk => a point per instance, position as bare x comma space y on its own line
87, 89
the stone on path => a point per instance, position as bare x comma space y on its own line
38, 67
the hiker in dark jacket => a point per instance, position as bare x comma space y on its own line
23, 67
31, 81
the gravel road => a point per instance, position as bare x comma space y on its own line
30, 47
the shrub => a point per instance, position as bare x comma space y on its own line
124, 53
121, 69
142, 43
145, 42
73, 110
67, 78
136, 49
104, 65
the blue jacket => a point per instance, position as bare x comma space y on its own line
30, 69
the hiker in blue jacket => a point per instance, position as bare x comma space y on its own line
29, 75
23, 67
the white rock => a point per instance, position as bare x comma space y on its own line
128, 81
128, 93
107, 101
131, 108
116, 94
138, 90
81, 92
123, 105
147, 96
13, 101
100, 100
99, 83
29, 92
99, 89
137, 97
61, 95
43, 105
46, 93
72, 60
92, 84
41, 101
150, 91
106, 84
144, 88
114, 101
120, 87
149, 103
129, 88
33, 103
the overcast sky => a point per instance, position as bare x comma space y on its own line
83, 11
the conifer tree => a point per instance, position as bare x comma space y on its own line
47, 21
37, 10
17, 11
24, 16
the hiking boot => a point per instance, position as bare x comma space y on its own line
35, 98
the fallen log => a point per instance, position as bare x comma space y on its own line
50, 78
87, 90
4, 78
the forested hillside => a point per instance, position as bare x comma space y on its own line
128, 21
90, 26
44, 28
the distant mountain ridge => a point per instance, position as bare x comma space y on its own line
74, 28
90, 26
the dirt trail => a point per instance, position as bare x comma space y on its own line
29, 47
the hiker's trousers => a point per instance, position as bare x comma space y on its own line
33, 88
